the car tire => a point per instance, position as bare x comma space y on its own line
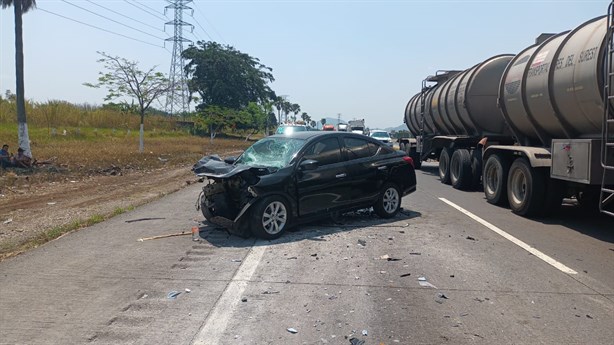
460, 169
495, 179
388, 203
444, 166
270, 217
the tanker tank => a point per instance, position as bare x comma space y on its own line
462, 104
553, 90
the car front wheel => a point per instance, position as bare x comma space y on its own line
270, 217
389, 202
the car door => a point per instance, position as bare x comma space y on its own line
327, 187
368, 171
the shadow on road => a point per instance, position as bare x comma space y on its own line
316, 231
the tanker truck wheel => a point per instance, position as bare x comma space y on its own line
444, 166
476, 168
495, 179
460, 169
526, 188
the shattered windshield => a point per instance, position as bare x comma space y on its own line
271, 152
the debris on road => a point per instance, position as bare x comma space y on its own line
292, 330
362, 243
364, 332
269, 292
236, 260
405, 275
163, 236
471, 238
441, 295
415, 253
187, 290
356, 341
138, 219
292, 258
424, 283
173, 294
244, 299
8, 221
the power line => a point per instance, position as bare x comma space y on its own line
151, 8
125, 16
206, 33
210, 24
113, 20
140, 8
99, 28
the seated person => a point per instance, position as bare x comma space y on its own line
21, 160
5, 157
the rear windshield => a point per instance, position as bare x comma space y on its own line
290, 129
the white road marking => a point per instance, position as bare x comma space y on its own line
513, 239
216, 322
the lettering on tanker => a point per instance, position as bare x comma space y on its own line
587, 55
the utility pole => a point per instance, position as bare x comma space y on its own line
177, 101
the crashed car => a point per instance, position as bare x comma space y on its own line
287, 179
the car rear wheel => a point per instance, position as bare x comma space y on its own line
389, 202
270, 217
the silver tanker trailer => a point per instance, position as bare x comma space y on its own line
532, 128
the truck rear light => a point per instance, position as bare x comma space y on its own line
409, 161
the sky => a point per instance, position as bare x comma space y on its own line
353, 59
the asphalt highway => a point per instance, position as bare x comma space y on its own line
450, 269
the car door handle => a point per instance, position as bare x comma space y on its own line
341, 175
382, 168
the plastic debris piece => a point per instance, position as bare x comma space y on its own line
422, 281
187, 290
292, 258
415, 253
51, 203
384, 257
405, 275
292, 330
315, 254
8, 221
269, 292
236, 260
440, 295
173, 294
356, 341
244, 299
471, 238
364, 332
362, 243
393, 259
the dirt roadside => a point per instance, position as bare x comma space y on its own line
28, 209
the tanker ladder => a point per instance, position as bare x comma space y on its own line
606, 197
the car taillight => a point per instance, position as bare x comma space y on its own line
409, 161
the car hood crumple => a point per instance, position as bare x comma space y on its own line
214, 166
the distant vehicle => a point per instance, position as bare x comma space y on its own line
328, 127
382, 136
357, 126
342, 127
284, 180
289, 129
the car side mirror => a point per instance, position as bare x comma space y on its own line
230, 159
309, 164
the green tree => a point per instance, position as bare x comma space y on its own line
253, 119
295, 109
306, 118
323, 121
225, 77
20, 7
123, 78
215, 118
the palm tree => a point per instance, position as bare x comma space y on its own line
295, 108
20, 7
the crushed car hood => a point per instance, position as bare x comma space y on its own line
214, 166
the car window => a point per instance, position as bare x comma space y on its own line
326, 151
290, 129
359, 148
382, 150
271, 152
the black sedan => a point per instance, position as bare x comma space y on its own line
283, 180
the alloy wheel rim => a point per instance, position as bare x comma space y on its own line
491, 180
274, 217
391, 200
